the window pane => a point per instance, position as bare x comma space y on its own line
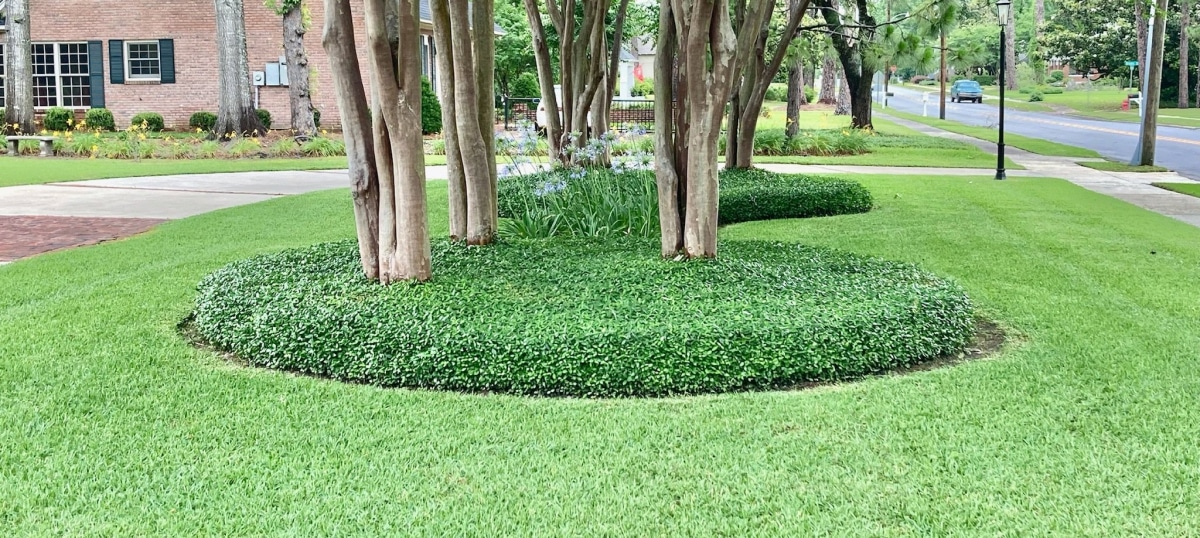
143, 60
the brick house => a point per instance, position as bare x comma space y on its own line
161, 57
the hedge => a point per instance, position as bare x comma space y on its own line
58, 119
745, 195
152, 120
100, 118
202, 120
589, 318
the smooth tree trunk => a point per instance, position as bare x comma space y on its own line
18, 69
456, 177
843, 107
303, 123
828, 93
1185, 21
545, 71
338, 41
472, 129
400, 156
1153, 97
697, 37
235, 99
483, 42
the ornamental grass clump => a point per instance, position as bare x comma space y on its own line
585, 317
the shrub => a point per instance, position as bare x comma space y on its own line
100, 118
810, 94
526, 86
753, 194
599, 202
643, 87
1050, 90
928, 82
431, 111
917, 79
1035, 97
1057, 76
323, 147
985, 80
152, 120
777, 92
548, 319
202, 120
264, 116
58, 119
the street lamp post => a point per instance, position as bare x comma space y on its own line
1003, 8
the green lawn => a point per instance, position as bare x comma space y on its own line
1190, 189
1112, 166
1086, 425
1032, 145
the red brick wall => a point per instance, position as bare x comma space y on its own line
192, 24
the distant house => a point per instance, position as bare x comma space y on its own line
161, 57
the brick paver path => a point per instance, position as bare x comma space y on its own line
22, 236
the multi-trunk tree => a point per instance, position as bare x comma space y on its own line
18, 68
757, 70
235, 101
295, 25
464, 40
584, 63
696, 66
852, 28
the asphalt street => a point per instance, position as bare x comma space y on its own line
1178, 148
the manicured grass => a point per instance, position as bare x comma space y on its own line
1190, 189
1112, 166
31, 170
112, 425
966, 156
1099, 104
1032, 145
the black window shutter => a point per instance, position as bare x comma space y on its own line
116, 61
96, 73
166, 61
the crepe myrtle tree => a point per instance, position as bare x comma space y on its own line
385, 154
696, 65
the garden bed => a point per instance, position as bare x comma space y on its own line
593, 318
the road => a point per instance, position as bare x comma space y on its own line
1177, 146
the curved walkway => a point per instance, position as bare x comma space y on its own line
41, 218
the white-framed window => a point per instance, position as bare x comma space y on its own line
142, 60
60, 75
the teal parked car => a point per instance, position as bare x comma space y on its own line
966, 90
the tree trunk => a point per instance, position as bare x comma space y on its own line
671, 127
1152, 98
843, 107
399, 150
828, 94
18, 89
1039, 21
1185, 20
297, 60
235, 100
1010, 59
545, 69
456, 178
338, 41
472, 129
1139, 18
483, 36
707, 54
795, 98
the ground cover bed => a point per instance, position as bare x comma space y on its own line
598, 317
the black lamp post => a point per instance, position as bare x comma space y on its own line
1003, 9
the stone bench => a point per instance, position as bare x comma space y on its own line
47, 143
